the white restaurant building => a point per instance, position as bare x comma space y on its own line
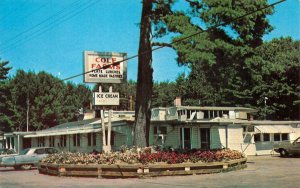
175, 127
219, 127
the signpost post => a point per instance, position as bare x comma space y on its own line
93, 63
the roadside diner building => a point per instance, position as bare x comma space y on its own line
191, 127
78, 136
218, 127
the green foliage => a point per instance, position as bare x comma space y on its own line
164, 94
249, 30
216, 57
274, 69
47, 100
5, 122
4, 70
230, 65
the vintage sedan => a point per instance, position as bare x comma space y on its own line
287, 148
27, 158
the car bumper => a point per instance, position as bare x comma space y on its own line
7, 161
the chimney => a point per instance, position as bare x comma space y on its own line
177, 101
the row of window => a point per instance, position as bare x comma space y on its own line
265, 137
207, 114
76, 140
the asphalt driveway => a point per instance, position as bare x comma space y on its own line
262, 171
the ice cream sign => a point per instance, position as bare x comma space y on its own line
110, 98
94, 62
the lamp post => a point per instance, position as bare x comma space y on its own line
265, 114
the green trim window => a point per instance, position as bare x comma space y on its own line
63, 141
266, 137
76, 140
51, 141
276, 136
41, 141
257, 138
91, 139
284, 136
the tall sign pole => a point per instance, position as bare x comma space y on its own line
109, 129
93, 63
103, 129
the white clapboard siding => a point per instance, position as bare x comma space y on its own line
173, 137
235, 137
120, 139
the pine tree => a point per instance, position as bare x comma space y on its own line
5, 122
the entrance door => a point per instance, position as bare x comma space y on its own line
205, 138
185, 138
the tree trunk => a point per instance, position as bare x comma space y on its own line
144, 82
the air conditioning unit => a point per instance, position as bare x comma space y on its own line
200, 115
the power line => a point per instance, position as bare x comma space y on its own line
56, 20
177, 41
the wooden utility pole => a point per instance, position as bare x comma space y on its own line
27, 113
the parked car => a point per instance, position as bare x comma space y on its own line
27, 158
286, 148
7, 152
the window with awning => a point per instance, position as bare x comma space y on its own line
274, 129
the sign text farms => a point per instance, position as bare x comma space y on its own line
95, 61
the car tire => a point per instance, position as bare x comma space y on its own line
283, 153
26, 167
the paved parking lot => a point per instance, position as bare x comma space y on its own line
262, 171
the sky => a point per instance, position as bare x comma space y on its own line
51, 35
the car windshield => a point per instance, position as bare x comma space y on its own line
23, 152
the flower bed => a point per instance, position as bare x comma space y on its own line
144, 157
143, 163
